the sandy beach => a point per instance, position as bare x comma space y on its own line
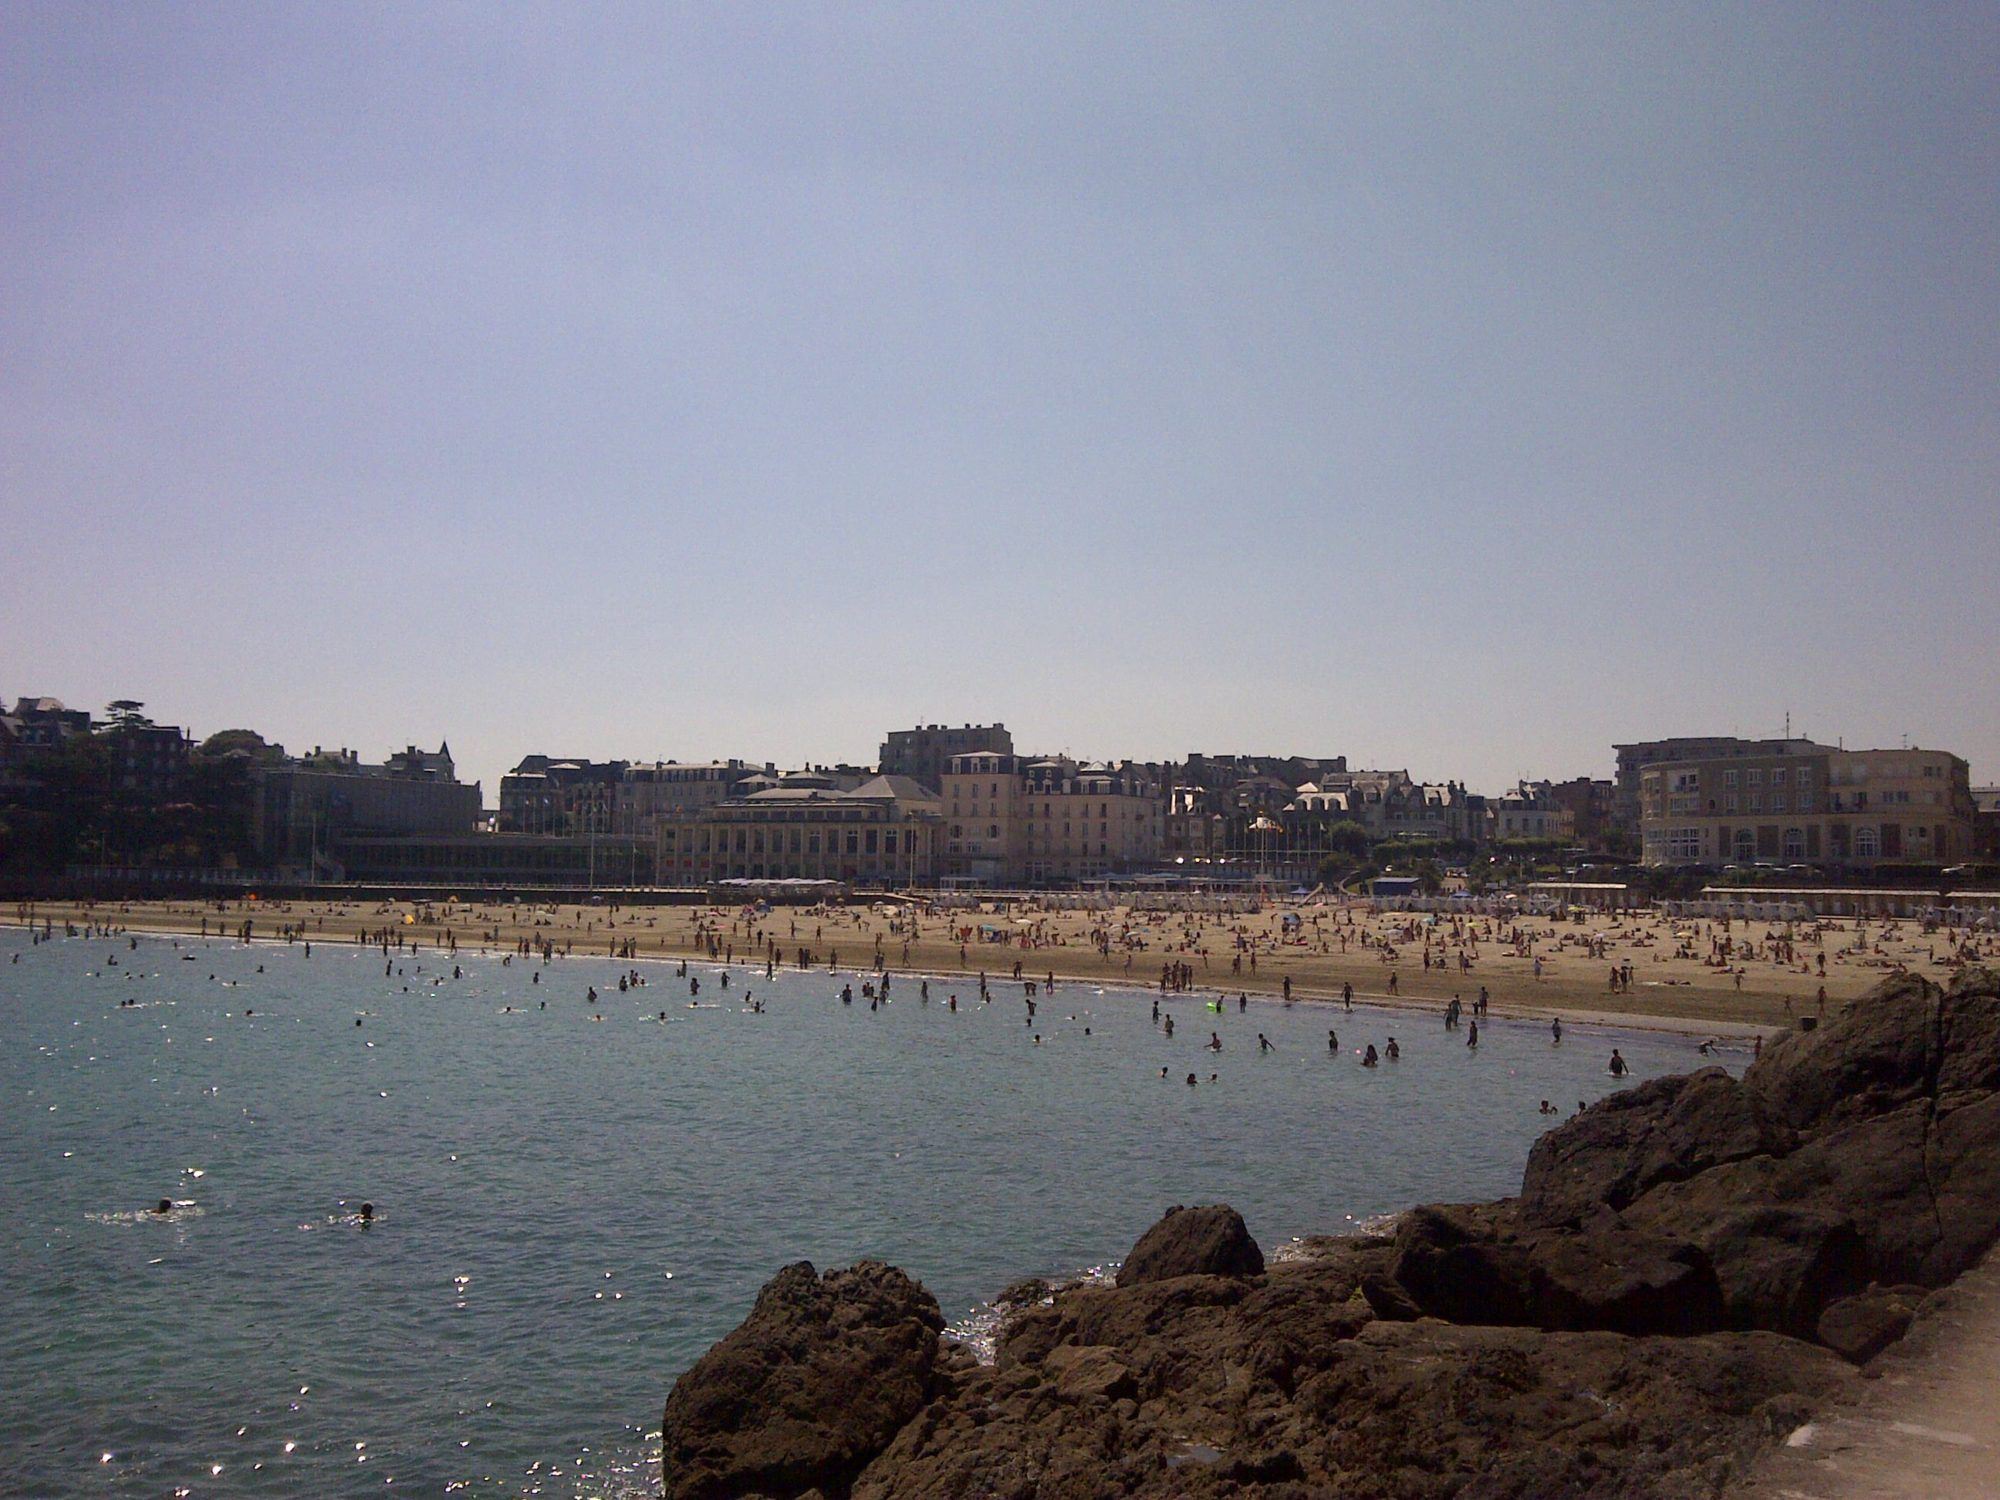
1698, 976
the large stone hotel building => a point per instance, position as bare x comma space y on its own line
1010, 821
1794, 802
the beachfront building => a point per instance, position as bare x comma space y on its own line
1634, 758
1591, 805
1530, 810
1087, 821
1843, 809
555, 795
301, 809
551, 794
1262, 829
32, 732
651, 790
886, 831
1010, 820
924, 753
1986, 822
1393, 804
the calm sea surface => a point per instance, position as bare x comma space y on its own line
569, 1210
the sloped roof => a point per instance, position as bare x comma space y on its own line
902, 788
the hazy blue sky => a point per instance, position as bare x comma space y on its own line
1462, 389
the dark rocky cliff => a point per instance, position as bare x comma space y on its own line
1692, 1267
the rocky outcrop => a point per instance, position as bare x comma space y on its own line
817, 1380
1667, 1130
1693, 1266
1866, 1151
1207, 1241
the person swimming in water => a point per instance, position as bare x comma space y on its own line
1368, 1057
1332, 1041
1214, 1042
1617, 1065
1193, 1081
367, 1213
1263, 1042
1394, 1050
164, 1206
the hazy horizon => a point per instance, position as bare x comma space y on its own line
1464, 392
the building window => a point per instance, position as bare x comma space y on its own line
1795, 843
1867, 843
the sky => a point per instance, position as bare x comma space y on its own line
1459, 389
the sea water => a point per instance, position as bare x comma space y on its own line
572, 1202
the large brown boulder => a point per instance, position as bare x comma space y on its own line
1862, 1326
815, 1382
1664, 1130
1878, 1053
1208, 1241
1614, 1277
1474, 1266
1453, 1262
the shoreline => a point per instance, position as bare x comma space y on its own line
1651, 1022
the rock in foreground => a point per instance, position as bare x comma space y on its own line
815, 1383
1207, 1241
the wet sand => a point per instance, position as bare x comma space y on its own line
1531, 966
